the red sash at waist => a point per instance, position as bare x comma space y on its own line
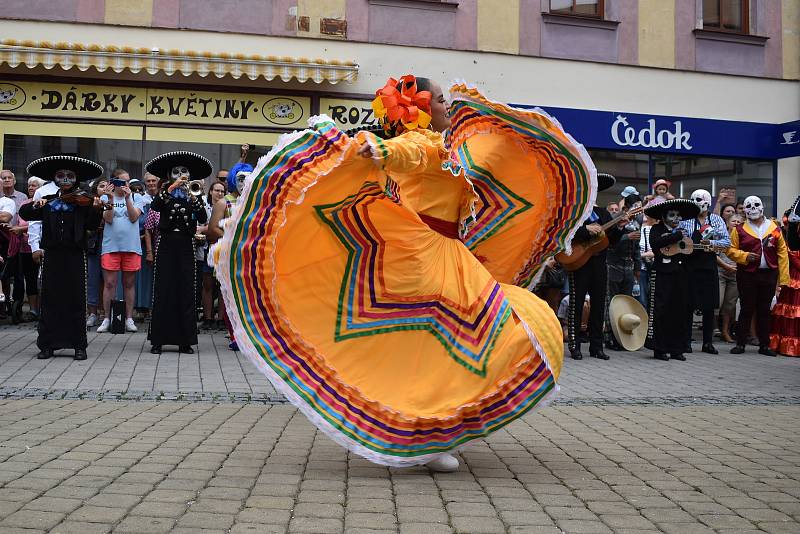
446, 228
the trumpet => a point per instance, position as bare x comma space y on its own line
196, 187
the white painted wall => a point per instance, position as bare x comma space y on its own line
509, 78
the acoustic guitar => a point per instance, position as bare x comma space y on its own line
685, 246
582, 251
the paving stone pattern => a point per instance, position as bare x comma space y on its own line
120, 367
635, 446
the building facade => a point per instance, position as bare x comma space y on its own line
702, 92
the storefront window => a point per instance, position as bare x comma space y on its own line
131, 155
687, 173
221, 156
629, 168
20, 150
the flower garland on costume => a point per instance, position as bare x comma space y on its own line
403, 109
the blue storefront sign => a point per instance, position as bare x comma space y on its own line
611, 130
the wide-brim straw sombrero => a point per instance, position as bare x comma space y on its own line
628, 321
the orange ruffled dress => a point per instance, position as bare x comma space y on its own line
785, 336
388, 335
535, 184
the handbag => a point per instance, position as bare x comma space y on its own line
117, 317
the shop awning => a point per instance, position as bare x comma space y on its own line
187, 62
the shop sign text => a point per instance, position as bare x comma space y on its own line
157, 105
348, 113
624, 134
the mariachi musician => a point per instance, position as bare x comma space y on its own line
66, 216
672, 301
591, 278
174, 312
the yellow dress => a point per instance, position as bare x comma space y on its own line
388, 335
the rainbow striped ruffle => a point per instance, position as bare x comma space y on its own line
560, 164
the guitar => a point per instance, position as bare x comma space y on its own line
685, 246
581, 252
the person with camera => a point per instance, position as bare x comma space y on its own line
121, 251
65, 218
173, 316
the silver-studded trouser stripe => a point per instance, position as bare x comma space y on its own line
651, 304
572, 310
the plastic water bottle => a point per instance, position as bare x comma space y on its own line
636, 290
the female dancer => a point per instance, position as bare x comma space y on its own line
347, 274
785, 337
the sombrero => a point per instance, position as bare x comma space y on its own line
687, 208
161, 166
605, 181
628, 321
47, 166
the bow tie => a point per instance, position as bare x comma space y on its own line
60, 205
180, 194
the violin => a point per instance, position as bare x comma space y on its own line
78, 197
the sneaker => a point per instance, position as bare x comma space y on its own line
130, 326
104, 326
444, 463
91, 320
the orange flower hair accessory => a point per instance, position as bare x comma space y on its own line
409, 107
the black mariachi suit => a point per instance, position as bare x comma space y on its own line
670, 329
62, 316
174, 313
590, 278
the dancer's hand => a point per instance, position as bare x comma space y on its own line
365, 151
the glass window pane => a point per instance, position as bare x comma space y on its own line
732, 14
711, 13
629, 168
688, 173
586, 7
20, 150
561, 6
221, 156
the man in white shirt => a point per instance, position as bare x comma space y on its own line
35, 227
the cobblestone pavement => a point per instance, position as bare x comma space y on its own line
121, 366
633, 445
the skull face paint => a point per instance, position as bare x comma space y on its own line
702, 198
241, 176
179, 172
672, 218
753, 208
65, 178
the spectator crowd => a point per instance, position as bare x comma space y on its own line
727, 282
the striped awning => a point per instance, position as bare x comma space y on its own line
187, 62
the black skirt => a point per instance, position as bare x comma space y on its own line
173, 316
62, 317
